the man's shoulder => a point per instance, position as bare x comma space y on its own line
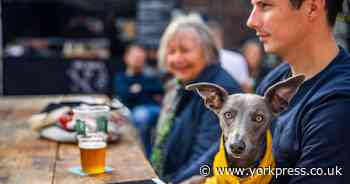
338, 72
334, 82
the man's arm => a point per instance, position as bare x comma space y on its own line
326, 144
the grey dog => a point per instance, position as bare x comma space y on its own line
245, 118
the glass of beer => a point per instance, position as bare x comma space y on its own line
93, 152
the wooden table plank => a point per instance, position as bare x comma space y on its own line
24, 158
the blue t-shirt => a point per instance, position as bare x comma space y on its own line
314, 132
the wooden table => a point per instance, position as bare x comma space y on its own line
24, 158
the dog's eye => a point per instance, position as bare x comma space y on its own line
259, 118
228, 115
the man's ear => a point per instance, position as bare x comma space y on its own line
279, 95
213, 95
315, 8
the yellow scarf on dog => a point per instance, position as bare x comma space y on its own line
225, 177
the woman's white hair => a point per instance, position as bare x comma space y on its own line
192, 22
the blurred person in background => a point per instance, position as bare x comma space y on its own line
253, 53
259, 63
187, 134
151, 68
139, 92
233, 62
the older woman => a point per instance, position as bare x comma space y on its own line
186, 131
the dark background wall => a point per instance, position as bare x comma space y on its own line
232, 14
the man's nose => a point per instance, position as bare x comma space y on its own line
254, 20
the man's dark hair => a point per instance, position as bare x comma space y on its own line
332, 8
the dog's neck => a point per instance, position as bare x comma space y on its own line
251, 163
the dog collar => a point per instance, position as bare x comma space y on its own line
220, 163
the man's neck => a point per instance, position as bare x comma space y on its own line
311, 59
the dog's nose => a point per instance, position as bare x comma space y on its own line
238, 147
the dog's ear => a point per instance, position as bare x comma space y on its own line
280, 94
213, 95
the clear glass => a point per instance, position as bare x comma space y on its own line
93, 117
93, 148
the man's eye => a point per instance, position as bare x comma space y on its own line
228, 115
263, 6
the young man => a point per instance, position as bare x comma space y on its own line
312, 135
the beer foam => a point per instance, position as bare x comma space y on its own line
92, 145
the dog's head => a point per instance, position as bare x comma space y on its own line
244, 118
